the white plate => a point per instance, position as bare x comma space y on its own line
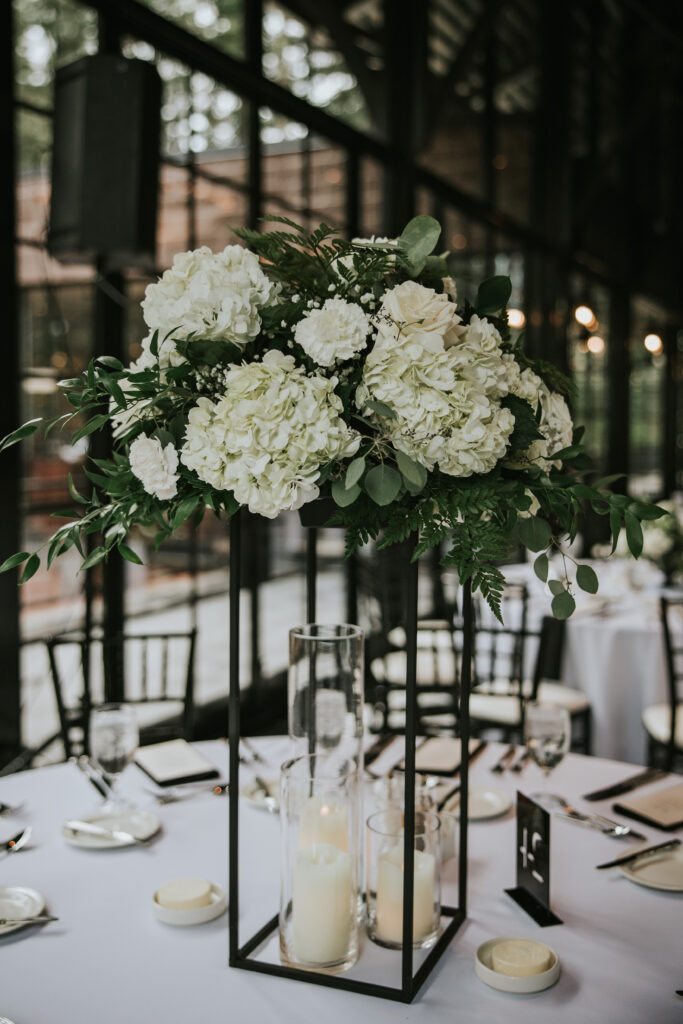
140, 824
198, 915
662, 870
18, 901
483, 803
506, 983
256, 797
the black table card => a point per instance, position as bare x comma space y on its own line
532, 891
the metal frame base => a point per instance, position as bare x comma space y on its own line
243, 961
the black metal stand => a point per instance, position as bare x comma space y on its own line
411, 981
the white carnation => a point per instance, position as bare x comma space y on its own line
413, 309
211, 295
334, 333
155, 466
442, 416
267, 437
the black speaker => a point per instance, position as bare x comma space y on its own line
105, 162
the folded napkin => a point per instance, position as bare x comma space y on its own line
662, 809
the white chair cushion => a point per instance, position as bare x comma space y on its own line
657, 721
504, 708
563, 697
434, 668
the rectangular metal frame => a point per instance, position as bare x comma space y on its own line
240, 956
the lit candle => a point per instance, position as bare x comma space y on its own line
324, 821
390, 895
322, 905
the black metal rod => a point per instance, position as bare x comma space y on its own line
409, 796
366, 988
435, 954
234, 736
311, 572
465, 683
260, 936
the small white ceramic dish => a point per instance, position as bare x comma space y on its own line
661, 870
508, 983
483, 803
18, 901
198, 915
140, 824
254, 795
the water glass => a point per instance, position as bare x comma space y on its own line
547, 733
114, 738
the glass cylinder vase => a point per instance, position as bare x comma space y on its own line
384, 888
319, 882
325, 690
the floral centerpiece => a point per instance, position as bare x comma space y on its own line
308, 365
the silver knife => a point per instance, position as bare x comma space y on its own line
639, 853
40, 919
89, 828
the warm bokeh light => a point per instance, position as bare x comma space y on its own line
595, 344
516, 318
653, 343
459, 242
584, 315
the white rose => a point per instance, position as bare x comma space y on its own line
416, 310
154, 466
334, 333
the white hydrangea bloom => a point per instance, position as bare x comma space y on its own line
267, 437
334, 333
555, 423
155, 466
442, 415
477, 354
419, 311
211, 295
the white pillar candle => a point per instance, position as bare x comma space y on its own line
324, 821
389, 907
322, 906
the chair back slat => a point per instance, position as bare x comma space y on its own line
81, 666
671, 609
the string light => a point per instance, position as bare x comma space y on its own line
584, 315
516, 318
653, 343
595, 344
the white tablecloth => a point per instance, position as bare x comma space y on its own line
109, 960
614, 652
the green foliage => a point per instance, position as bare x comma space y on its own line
493, 295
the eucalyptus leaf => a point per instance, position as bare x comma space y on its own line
380, 408
343, 495
493, 294
587, 579
541, 567
354, 472
563, 605
383, 484
418, 240
556, 587
412, 472
535, 533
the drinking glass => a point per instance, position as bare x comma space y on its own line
547, 732
114, 739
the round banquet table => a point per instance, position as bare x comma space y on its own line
109, 960
614, 650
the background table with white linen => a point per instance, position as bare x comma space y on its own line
108, 959
614, 651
